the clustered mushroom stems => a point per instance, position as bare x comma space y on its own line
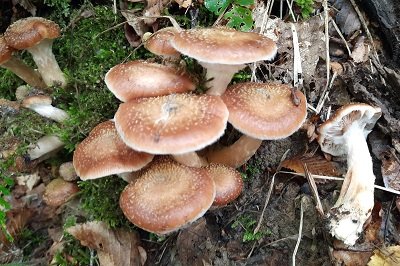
26, 73
47, 64
356, 198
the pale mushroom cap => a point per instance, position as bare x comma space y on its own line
172, 124
264, 110
35, 100
103, 153
5, 50
330, 133
159, 43
228, 183
224, 45
59, 191
167, 196
136, 79
28, 32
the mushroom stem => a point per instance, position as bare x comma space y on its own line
51, 112
44, 147
356, 198
47, 64
19, 68
219, 76
190, 159
237, 154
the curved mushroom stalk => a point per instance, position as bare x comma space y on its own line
237, 154
356, 198
47, 64
190, 159
45, 147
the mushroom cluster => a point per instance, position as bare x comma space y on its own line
160, 115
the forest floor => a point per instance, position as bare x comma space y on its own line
275, 220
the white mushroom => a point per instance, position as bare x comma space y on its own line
345, 134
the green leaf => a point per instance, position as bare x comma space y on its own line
244, 2
217, 6
240, 18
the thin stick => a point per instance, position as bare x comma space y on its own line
340, 179
325, 93
300, 234
269, 193
291, 10
341, 35
297, 70
314, 190
326, 19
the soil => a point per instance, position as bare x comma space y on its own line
219, 238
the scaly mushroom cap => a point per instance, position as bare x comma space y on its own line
159, 43
330, 133
5, 50
167, 196
28, 32
264, 110
224, 45
103, 153
172, 124
228, 183
136, 79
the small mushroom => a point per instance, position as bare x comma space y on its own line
59, 191
136, 79
41, 104
67, 171
344, 134
261, 111
167, 197
103, 153
18, 67
228, 183
223, 52
36, 35
159, 43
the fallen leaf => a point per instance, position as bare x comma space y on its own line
387, 256
346, 17
360, 51
390, 169
351, 258
29, 180
114, 247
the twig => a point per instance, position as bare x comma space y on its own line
341, 35
269, 193
300, 234
326, 19
314, 190
364, 24
340, 179
325, 93
291, 10
297, 70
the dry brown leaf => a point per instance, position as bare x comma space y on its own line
390, 169
389, 256
316, 164
351, 258
114, 247
360, 51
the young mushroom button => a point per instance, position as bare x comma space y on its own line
36, 35
223, 52
167, 197
344, 134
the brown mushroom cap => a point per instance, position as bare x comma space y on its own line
103, 153
228, 183
330, 133
28, 32
5, 50
31, 101
264, 110
167, 196
172, 124
159, 43
136, 79
59, 191
224, 45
